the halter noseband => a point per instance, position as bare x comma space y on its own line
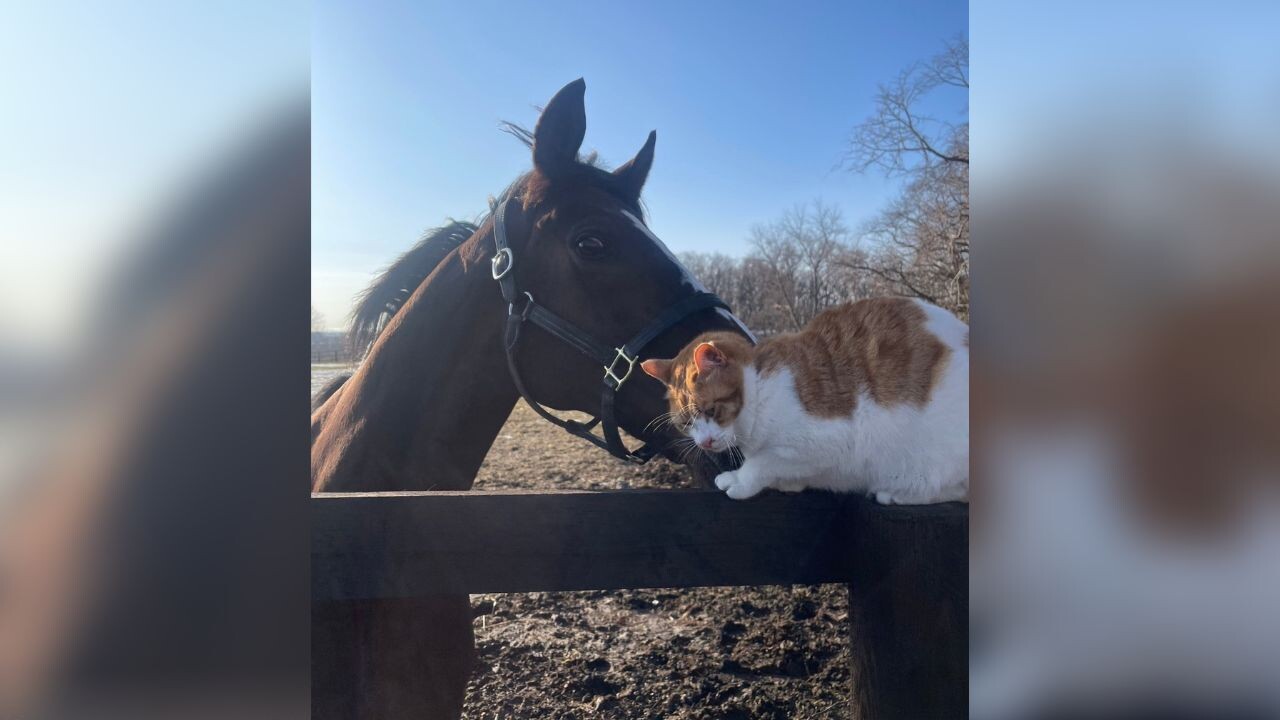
618, 362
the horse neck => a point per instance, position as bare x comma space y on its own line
433, 393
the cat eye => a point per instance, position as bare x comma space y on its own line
590, 247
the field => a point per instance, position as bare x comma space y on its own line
759, 652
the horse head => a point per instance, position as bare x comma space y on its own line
583, 252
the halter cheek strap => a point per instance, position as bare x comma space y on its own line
618, 363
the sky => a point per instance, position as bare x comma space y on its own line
753, 110
108, 112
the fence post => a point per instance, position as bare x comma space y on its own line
909, 615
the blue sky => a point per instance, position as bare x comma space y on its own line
752, 109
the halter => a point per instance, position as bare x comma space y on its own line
617, 362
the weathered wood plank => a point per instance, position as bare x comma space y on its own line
396, 545
909, 618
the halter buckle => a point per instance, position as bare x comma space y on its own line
611, 375
499, 273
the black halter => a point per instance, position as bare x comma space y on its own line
618, 362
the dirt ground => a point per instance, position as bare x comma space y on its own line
752, 652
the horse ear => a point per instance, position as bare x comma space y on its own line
660, 369
560, 129
635, 171
708, 357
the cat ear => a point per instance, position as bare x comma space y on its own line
660, 369
708, 357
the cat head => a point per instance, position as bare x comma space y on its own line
704, 387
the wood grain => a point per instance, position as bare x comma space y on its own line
389, 545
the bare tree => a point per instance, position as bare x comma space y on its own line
792, 273
797, 253
753, 303
820, 234
317, 320
899, 138
717, 271
919, 244
780, 271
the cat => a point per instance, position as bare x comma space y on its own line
871, 397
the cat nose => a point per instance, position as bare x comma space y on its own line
706, 444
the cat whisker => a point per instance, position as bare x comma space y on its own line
736, 455
658, 423
660, 419
665, 419
689, 447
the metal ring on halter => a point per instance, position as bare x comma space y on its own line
524, 314
497, 258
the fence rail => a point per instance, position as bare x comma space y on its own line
906, 567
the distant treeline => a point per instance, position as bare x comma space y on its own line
808, 261
330, 346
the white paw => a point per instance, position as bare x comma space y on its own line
885, 498
735, 486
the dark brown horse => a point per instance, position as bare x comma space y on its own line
435, 389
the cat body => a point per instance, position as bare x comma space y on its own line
870, 397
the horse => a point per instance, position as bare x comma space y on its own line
554, 296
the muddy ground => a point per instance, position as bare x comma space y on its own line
753, 652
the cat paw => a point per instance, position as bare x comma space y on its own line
735, 486
885, 498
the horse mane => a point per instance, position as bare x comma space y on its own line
391, 289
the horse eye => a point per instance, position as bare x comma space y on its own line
590, 246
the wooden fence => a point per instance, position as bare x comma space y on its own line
906, 567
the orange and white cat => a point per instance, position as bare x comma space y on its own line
870, 397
